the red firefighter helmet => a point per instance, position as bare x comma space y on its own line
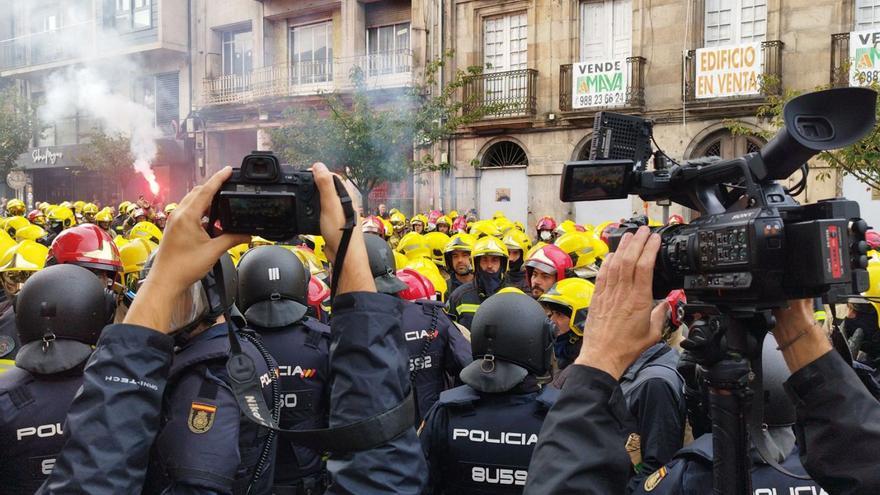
675, 220
460, 224
374, 225
549, 259
872, 237
546, 223
86, 245
419, 286
319, 293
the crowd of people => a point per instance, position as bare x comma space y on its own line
529, 358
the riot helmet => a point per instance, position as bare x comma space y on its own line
273, 287
511, 338
382, 265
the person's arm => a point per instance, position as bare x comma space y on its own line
432, 435
659, 413
838, 420
115, 416
581, 445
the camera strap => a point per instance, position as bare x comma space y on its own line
361, 435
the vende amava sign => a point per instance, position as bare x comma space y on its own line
733, 70
599, 84
864, 58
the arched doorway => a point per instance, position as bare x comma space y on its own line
725, 145
504, 184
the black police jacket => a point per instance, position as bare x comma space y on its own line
302, 354
691, 472
437, 351
32, 430
838, 431
116, 416
205, 445
654, 394
481, 443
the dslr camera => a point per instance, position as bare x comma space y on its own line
753, 246
267, 199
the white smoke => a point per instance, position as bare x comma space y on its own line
86, 91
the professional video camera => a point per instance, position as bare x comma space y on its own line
267, 199
753, 244
752, 249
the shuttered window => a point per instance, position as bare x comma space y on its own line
731, 22
167, 100
867, 14
605, 30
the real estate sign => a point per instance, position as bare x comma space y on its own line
599, 84
724, 71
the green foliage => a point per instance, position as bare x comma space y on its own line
373, 136
109, 154
18, 123
861, 160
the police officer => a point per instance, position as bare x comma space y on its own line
273, 295
480, 436
205, 445
437, 349
489, 259
60, 313
691, 469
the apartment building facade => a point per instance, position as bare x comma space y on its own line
137, 48
257, 59
552, 64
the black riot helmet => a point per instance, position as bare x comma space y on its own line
273, 287
60, 313
778, 408
382, 265
511, 337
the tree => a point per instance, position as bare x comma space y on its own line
18, 123
861, 159
370, 137
109, 154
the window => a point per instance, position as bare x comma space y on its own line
606, 30
505, 43
867, 14
388, 49
311, 53
45, 47
133, 15
725, 145
238, 52
505, 154
731, 22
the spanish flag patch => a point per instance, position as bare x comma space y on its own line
201, 417
652, 481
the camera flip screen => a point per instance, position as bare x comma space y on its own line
596, 180
256, 213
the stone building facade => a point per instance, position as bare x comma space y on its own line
526, 46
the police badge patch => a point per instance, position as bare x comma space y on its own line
201, 417
652, 481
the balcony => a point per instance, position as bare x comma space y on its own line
634, 97
770, 82
46, 47
508, 94
381, 70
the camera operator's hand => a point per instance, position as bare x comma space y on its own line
185, 256
801, 340
620, 324
355, 275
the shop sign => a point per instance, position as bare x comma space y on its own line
45, 156
725, 71
599, 84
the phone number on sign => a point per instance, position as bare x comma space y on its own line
600, 99
867, 76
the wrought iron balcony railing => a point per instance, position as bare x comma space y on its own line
635, 87
510, 93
